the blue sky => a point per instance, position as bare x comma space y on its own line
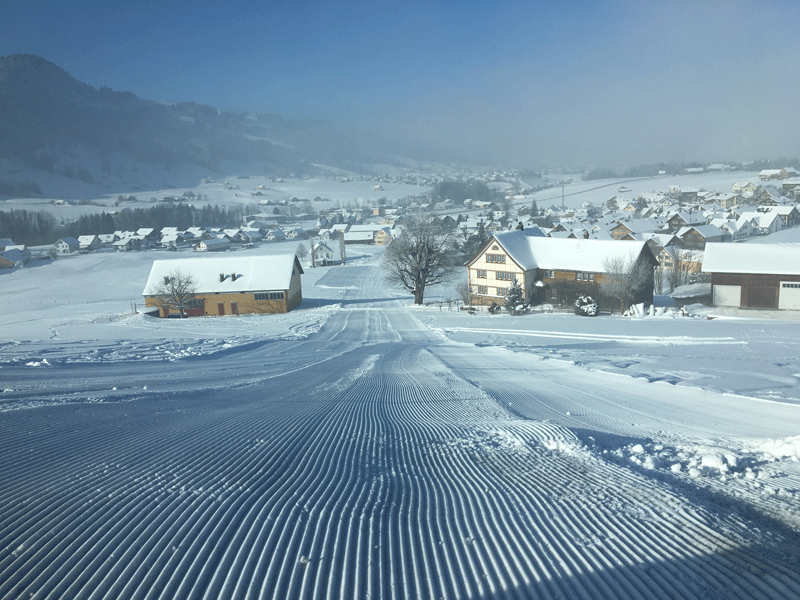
521, 83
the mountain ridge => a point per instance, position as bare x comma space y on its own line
50, 118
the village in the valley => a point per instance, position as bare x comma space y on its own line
695, 229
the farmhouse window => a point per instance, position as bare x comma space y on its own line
482, 273
496, 258
591, 276
554, 294
483, 289
501, 291
269, 295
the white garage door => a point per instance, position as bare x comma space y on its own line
727, 295
789, 295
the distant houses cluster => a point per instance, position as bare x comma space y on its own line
671, 229
333, 225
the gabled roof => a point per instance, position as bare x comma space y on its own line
774, 259
564, 254
706, 231
253, 273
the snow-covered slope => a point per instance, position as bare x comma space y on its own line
361, 447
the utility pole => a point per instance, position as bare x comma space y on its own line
562, 196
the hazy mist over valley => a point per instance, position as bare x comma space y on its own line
514, 84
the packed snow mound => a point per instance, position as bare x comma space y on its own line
748, 460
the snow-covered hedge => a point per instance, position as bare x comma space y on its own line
585, 306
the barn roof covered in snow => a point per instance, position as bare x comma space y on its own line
774, 259
565, 254
215, 274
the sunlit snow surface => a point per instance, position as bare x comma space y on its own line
360, 447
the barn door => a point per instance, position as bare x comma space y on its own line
221, 309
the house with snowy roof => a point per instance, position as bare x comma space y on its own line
763, 222
685, 219
754, 275
67, 245
773, 174
15, 256
219, 244
323, 254
89, 242
229, 285
697, 236
552, 270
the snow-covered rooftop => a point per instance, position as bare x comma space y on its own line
253, 273
776, 259
568, 254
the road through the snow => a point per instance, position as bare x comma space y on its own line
372, 459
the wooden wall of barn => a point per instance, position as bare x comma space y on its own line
758, 290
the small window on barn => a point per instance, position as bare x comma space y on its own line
276, 295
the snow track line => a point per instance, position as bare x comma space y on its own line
392, 479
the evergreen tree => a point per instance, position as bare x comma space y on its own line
515, 297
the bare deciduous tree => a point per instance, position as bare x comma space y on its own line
342, 248
464, 291
678, 274
420, 257
658, 280
302, 251
176, 291
624, 278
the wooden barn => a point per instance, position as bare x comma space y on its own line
551, 270
230, 285
754, 275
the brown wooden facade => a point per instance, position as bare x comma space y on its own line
757, 290
493, 270
220, 305
240, 302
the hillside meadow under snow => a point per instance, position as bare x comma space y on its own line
360, 446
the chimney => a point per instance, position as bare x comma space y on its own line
233, 276
222, 277
166, 280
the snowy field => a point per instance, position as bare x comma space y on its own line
361, 447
